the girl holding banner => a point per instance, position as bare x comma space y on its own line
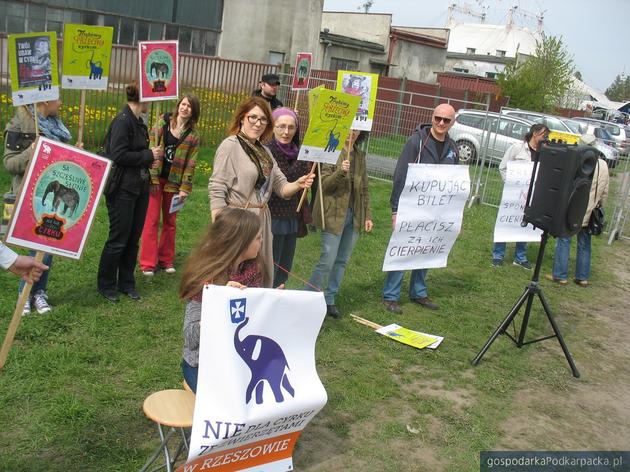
228, 254
245, 174
171, 176
18, 149
347, 211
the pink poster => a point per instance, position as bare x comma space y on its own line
302, 71
58, 200
158, 70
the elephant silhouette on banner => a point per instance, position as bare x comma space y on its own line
267, 363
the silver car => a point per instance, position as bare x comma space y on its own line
481, 135
617, 132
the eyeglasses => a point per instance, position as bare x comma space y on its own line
253, 119
284, 128
439, 119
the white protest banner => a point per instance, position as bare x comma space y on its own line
430, 212
258, 386
508, 225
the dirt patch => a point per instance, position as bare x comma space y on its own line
592, 412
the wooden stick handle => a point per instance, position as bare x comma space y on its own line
365, 322
297, 97
81, 117
305, 191
17, 317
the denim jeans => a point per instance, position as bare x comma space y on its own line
393, 283
190, 375
283, 252
582, 259
520, 252
42, 283
335, 252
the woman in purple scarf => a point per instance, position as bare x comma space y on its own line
284, 147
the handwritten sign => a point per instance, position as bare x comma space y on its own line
33, 67
87, 52
302, 71
257, 386
362, 85
331, 114
58, 200
429, 218
508, 225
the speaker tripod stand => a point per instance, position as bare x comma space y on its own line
532, 289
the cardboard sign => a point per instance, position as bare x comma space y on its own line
429, 219
508, 225
33, 67
87, 51
158, 62
58, 200
362, 85
331, 114
302, 71
258, 386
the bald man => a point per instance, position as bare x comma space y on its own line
429, 144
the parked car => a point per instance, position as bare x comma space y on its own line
552, 122
618, 132
605, 144
577, 127
475, 131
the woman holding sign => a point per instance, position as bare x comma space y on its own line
245, 174
285, 146
127, 196
19, 144
346, 212
171, 176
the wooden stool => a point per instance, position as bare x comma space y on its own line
172, 408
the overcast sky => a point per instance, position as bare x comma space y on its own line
595, 32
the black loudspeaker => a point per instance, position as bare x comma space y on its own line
562, 188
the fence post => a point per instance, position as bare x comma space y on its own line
401, 97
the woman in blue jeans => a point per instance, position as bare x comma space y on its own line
599, 192
346, 212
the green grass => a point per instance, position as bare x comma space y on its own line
72, 389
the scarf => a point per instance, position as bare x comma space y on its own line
52, 127
289, 150
259, 156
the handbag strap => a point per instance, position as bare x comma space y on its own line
597, 182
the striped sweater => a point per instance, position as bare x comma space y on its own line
182, 170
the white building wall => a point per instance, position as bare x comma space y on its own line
372, 27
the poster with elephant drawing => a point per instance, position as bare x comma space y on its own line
330, 117
257, 385
158, 70
33, 67
87, 51
58, 199
364, 85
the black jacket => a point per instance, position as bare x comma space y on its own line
273, 101
128, 148
429, 155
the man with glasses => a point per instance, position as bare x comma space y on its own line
429, 144
268, 89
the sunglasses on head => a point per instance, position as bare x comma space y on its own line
446, 121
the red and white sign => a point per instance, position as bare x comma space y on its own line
302, 71
158, 63
58, 200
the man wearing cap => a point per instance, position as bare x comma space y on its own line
268, 88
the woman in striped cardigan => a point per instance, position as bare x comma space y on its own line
171, 175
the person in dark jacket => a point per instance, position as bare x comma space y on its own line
268, 89
127, 196
429, 144
284, 147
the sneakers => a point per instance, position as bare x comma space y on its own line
524, 264
40, 301
393, 306
581, 283
425, 302
27, 307
148, 273
497, 262
558, 281
169, 270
